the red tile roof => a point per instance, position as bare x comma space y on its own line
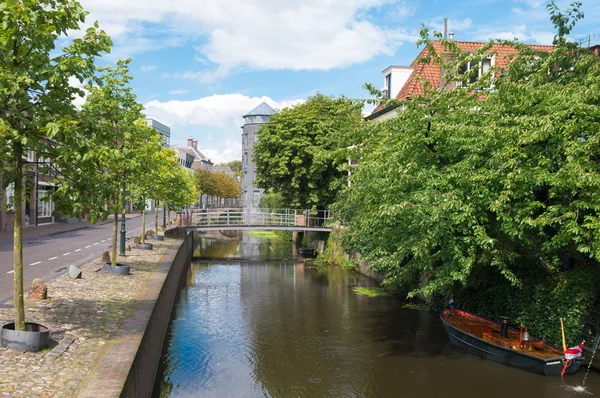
431, 72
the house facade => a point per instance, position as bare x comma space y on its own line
253, 121
406, 82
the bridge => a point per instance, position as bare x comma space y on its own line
256, 219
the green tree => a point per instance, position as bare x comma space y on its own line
146, 184
35, 94
301, 153
236, 166
459, 182
114, 154
173, 183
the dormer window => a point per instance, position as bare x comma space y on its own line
388, 85
482, 67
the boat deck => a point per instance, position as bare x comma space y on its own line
490, 331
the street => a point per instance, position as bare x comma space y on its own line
47, 257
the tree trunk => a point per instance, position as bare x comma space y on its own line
156, 216
143, 240
115, 231
19, 303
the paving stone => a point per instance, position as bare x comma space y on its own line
84, 315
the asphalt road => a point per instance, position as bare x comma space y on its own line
47, 257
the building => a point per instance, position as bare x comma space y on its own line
201, 162
405, 82
164, 130
253, 120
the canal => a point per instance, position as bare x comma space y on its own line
254, 321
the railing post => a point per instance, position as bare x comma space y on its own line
227, 217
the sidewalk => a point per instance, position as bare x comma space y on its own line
58, 228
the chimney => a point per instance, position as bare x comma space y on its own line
190, 142
446, 56
195, 144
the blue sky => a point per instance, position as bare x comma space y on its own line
199, 65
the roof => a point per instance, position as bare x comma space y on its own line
431, 72
262, 110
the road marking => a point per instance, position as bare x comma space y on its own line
66, 254
95, 244
11, 272
103, 241
88, 246
77, 250
52, 258
36, 263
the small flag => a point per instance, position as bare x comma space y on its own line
451, 302
574, 352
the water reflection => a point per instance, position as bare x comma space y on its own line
283, 329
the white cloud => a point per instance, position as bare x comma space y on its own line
403, 10
543, 37
215, 121
177, 92
147, 68
519, 32
217, 110
260, 34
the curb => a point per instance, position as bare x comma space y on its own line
110, 373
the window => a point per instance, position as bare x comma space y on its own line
256, 199
253, 176
482, 68
45, 206
250, 119
246, 158
10, 195
388, 85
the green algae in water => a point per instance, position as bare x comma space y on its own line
370, 291
264, 234
416, 306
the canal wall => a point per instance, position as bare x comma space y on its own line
335, 253
140, 379
129, 365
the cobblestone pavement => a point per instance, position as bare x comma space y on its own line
83, 314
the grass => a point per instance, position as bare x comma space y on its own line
370, 291
263, 234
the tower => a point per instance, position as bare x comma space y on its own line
253, 120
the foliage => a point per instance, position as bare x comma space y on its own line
334, 253
36, 109
235, 166
301, 153
539, 304
113, 151
216, 184
271, 200
506, 180
370, 291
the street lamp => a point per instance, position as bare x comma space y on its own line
122, 246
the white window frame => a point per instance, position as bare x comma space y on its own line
480, 70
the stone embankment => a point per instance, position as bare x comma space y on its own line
86, 317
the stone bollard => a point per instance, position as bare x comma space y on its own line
37, 290
74, 272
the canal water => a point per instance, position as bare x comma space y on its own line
254, 321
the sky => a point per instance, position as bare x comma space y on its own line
199, 65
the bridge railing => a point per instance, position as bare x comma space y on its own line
260, 217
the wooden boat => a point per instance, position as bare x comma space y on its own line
482, 337
307, 252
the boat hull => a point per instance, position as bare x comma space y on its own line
477, 346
